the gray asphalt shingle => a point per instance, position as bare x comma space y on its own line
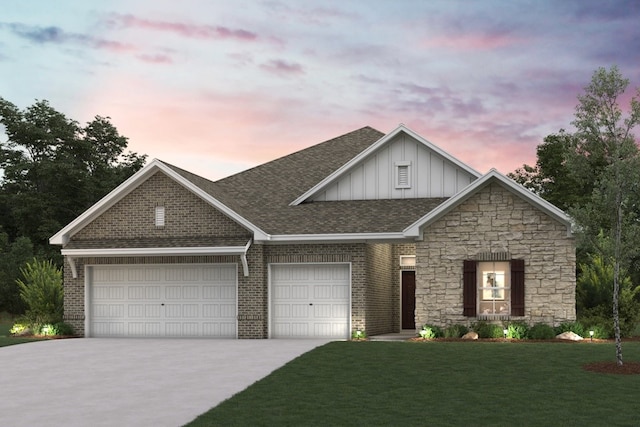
263, 194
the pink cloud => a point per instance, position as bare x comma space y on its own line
155, 59
183, 29
470, 42
282, 68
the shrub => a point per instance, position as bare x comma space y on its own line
431, 332
63, 329
541, 331
455, 331
517, 330
20, 328
488, 330
42, 292
602, 327
355, 335
575, 327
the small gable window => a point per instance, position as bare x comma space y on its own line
403, 175
159, 216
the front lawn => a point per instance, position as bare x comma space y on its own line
439, 384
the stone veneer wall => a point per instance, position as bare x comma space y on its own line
495, 220
380, 300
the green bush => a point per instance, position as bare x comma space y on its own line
42, 292
517, 330
431, 332
59, 329
20, 328
602, 327
541, 331
488, 330
455, 331
358, 334
575, 327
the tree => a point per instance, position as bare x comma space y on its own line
52, 169
13, 257
604, 143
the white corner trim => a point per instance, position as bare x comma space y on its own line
414, 230
365, 153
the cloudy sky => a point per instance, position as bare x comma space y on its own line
216, 87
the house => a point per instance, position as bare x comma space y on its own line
366, 231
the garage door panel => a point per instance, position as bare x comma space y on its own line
310, 301
191, 307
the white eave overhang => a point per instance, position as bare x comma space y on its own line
73, 254
333, 238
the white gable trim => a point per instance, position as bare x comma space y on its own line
415, 229
322, 185
63, 236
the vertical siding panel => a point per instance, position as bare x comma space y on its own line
371, 178
436, 175
384, 187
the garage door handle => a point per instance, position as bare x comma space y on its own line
310, 303
162, 304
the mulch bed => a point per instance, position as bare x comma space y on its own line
627, 368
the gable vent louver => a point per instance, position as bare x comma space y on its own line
403, 177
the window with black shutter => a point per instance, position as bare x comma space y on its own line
493, 288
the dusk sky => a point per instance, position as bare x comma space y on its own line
216, 87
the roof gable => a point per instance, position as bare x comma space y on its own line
133, 182
493, 176
424, 171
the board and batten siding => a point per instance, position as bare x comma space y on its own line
430, 175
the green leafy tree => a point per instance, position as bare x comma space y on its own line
604, 143
52, 169
13, 256
42, 292
594, 294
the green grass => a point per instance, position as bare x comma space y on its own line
6, 338
439, 384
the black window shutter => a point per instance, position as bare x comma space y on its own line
469, 289
517, 287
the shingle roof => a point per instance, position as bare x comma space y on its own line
263, 194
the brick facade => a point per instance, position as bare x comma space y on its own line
494, 220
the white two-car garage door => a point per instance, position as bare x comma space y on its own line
310, 301
163, 301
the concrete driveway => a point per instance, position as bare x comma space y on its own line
131, 382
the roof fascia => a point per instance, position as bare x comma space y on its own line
62, 236
385, 139
333, 238
414, 230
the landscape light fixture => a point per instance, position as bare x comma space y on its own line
423, 334
591, 334
505, 332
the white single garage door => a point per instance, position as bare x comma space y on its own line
310, 301
163, 301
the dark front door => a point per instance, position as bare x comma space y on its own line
408, 299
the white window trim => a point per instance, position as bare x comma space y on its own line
402, 164
506, 302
